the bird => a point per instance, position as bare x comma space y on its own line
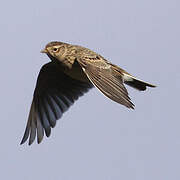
72, 72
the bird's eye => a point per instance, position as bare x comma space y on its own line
55, 49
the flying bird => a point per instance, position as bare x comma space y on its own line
73, 70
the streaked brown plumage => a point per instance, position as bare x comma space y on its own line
73, 70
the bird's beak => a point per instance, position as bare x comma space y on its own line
44, 51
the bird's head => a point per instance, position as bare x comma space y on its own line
63, 52
56, 50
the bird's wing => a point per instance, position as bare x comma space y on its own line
106, 79
55, 92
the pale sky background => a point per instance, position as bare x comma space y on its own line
96, 139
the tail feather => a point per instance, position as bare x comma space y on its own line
136, 83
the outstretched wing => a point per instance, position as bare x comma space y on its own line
106, 79
55, 92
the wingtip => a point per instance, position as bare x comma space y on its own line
30, 143
22, 142
132, 107
39, 140
25, 137
151, 85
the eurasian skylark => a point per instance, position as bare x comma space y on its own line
73, 70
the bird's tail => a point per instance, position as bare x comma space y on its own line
135, 83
